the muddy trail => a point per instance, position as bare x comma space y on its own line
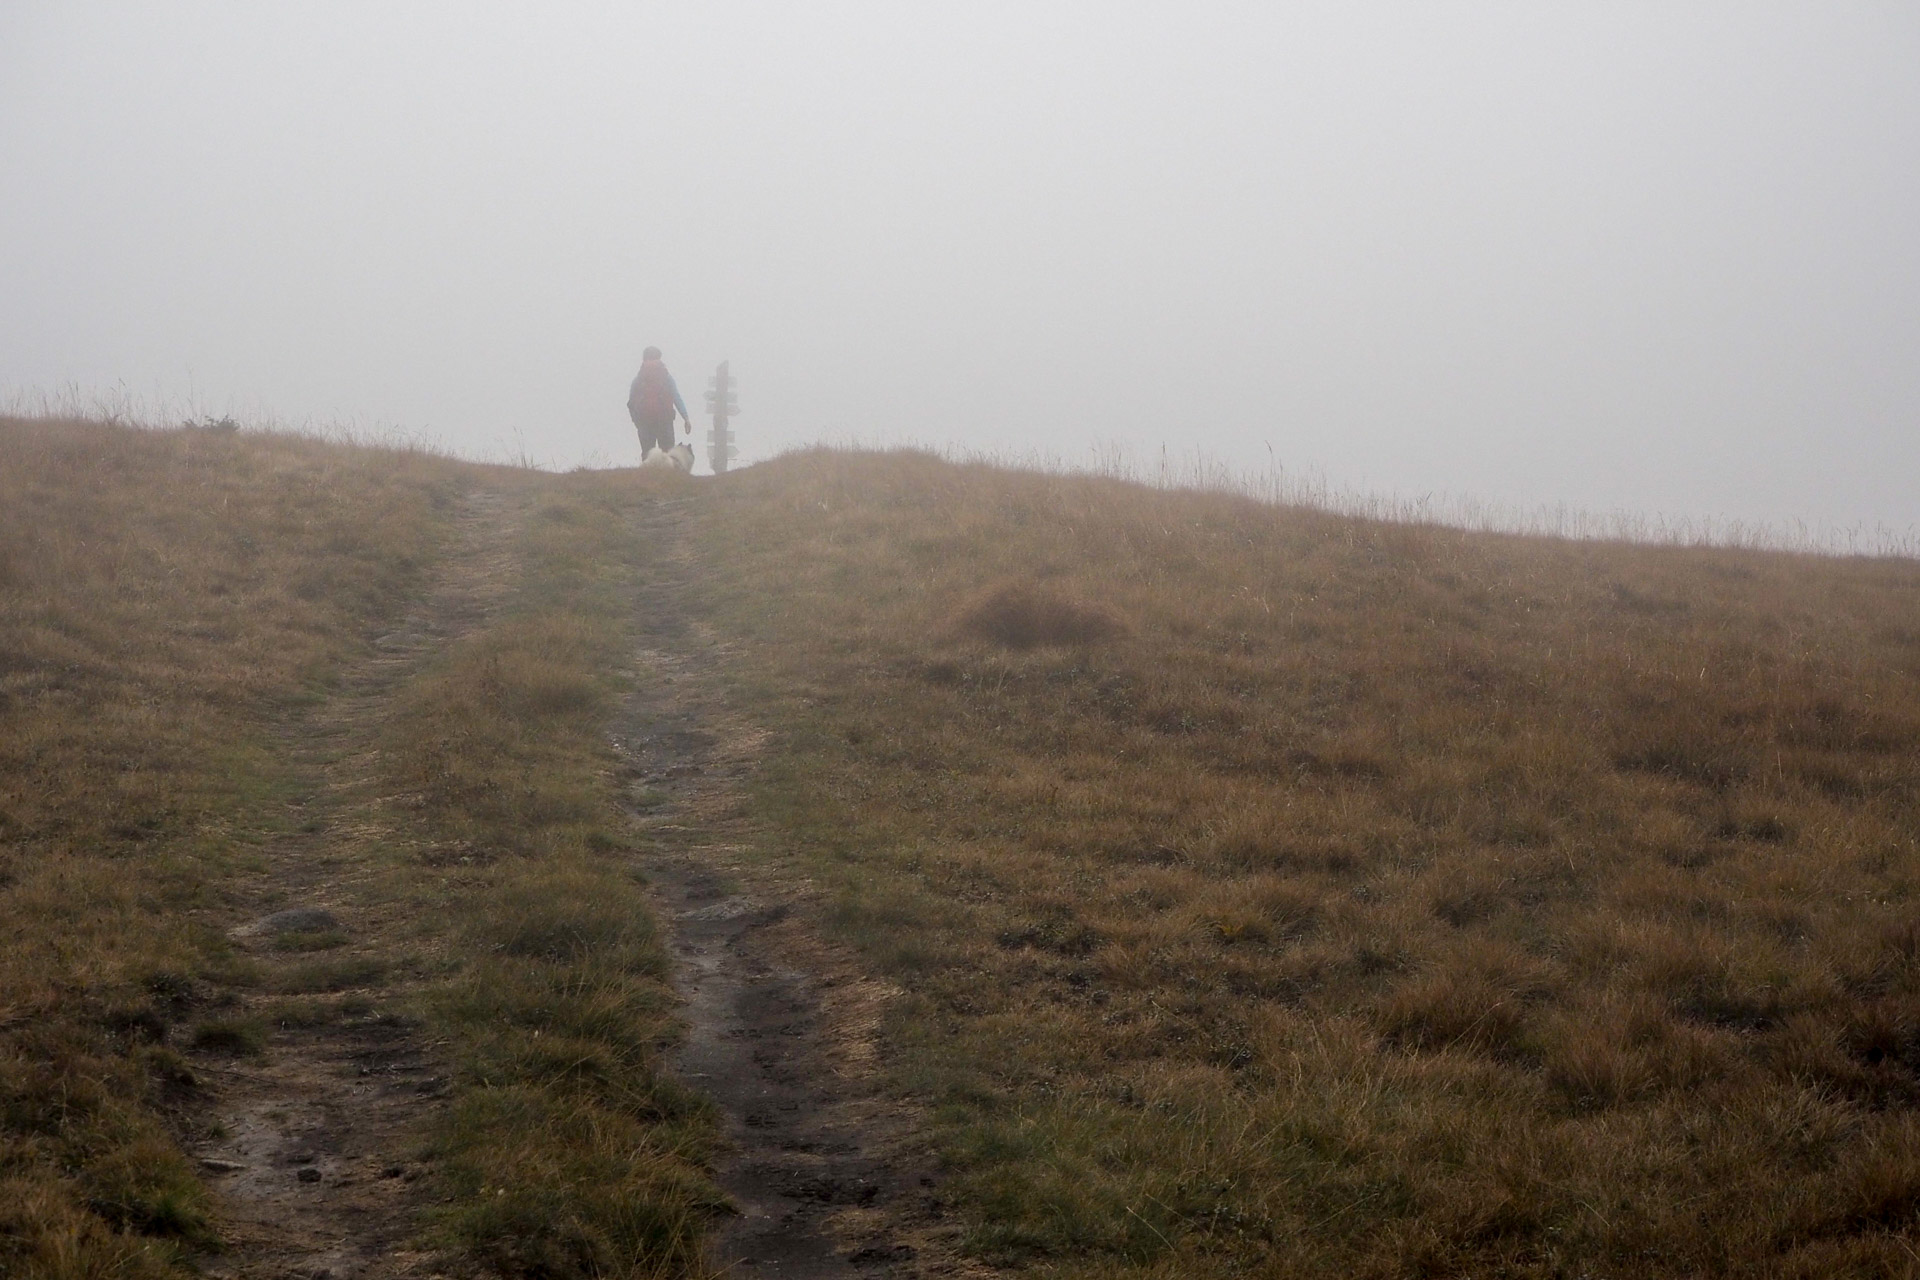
314, 1140
827, 1174
311, 1140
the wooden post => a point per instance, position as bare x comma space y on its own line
722, 405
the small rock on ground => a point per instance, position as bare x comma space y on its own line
299, 920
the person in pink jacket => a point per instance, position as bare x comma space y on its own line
651, 402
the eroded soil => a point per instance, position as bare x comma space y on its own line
826, 1172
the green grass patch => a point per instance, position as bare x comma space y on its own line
316, 977
566, 1152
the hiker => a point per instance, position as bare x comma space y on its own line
651, 402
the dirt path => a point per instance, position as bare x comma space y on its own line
828, 1177
314, 1141
313, 1146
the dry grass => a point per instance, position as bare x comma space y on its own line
566, 1152
1387, 900
173, 605
163, 596
1027, 615
1272, 890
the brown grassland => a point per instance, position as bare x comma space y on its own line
162, 599
1282, 893
173, 607
1270, 892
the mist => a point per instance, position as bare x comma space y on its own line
1643, 257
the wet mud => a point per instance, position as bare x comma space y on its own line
827, 1172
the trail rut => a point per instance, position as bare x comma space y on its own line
826, 1172
311, 1146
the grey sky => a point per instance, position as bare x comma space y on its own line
1662, 256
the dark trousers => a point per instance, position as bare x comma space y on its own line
651, 436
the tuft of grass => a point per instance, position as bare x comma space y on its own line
237, 1037
145, 1187
1024, 615
597, 1193
317, 977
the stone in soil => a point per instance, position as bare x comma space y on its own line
299, 920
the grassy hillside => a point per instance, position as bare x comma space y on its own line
1289, 894
162, 599
1270, 892
197, 698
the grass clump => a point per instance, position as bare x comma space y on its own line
1384, 899
601, 1193
316, 977
234, 1037
92, 1182
1025, 615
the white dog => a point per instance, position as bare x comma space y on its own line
679, 458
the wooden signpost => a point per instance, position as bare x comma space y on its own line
722, 403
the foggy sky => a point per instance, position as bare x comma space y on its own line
1656, 256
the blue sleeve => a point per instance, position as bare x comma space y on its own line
678, 402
